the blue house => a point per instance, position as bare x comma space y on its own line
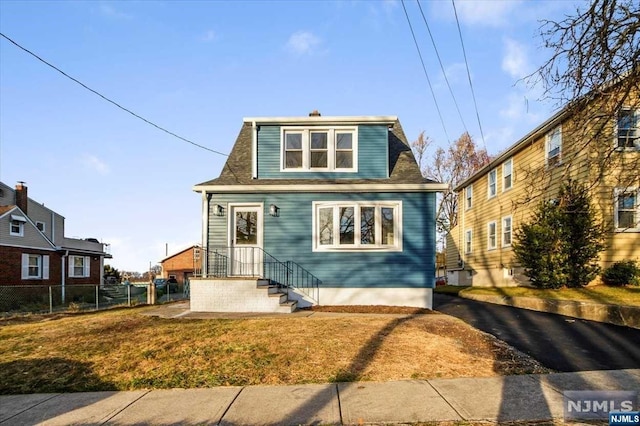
317, 210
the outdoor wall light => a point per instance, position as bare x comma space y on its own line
219, 210
274, 210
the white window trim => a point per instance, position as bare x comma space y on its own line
357, 246
44, 226
489, 196
616, 193
20, 233
43, 267
510, 231
86, 267
21, 220
504, 187
468, 197
495, 227
331, 148
636, 146
468, 240
546, 147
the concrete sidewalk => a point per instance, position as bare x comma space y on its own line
493, 399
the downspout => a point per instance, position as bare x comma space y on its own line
254, 151
63, 269
53, 227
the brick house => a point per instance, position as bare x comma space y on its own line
34, 249
182, 265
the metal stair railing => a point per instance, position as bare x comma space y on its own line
238, 261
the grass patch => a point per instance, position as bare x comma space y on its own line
598, 294
126, 350
453, 290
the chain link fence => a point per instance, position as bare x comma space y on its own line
57, 298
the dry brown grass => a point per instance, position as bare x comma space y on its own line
127, 350
628, 295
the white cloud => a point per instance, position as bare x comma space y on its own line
520, 108
91, 162
515, 61
456, 72
486, 12
303, 42
500, 139
110, 11
209, 36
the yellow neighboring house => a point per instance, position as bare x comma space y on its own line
596, 142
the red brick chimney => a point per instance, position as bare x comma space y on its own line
21, 196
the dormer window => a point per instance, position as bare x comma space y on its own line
16, 226
319, 149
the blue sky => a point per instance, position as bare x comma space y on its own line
198, 68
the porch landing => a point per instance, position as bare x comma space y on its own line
247, 294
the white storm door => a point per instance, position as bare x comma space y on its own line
246, 255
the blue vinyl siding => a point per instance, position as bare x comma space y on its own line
289, 237
373, 146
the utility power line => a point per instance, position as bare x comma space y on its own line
473, 95
425, 72
110, 101
444, 73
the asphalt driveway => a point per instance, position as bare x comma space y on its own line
558, 342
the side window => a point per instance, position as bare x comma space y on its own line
554, 146
492, 178
507, 174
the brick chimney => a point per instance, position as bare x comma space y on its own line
315, 113
21, 196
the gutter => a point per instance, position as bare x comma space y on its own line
380, 188
542, 128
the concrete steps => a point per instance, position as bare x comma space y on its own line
275, 291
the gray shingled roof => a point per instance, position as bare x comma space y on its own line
402, 165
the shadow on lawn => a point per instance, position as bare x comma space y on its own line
49, 375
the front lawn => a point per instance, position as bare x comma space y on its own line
124, 350
597, 294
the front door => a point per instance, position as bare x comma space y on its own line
246, 256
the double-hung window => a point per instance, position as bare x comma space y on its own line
293, 150
507, 174
627, 131
492, 180
35, 266
627, 209
79, 266
506, 231
357, 226
469, 197
468, 240
319, 149
16, 225
554, 146
492, 235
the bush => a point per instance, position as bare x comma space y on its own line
559, 246
622, 273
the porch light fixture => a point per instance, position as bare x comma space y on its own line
219, 210
274, 210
